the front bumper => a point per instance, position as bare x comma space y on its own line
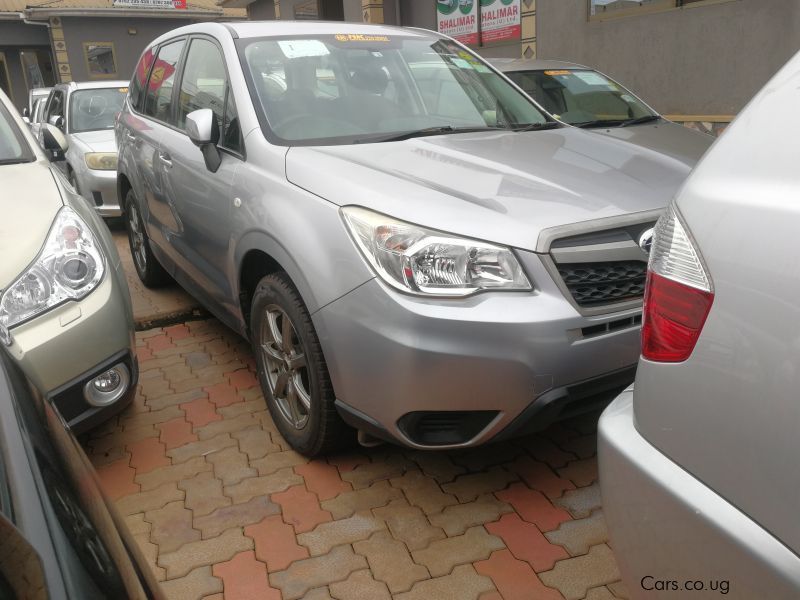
394, 357
70, 343
99, 188
672, 534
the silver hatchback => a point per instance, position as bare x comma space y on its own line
413, 246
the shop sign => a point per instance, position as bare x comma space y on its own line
459, 19
500, 21
157, 4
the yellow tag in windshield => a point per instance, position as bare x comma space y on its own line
562, 72
123, 90
360, 37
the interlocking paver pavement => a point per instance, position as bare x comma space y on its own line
224, 509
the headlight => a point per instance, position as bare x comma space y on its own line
426, 262
101, 161
69, 266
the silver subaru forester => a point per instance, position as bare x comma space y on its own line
413, 246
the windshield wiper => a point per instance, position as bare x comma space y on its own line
538, 126
438, 130
13, 161
599, 123
637, 121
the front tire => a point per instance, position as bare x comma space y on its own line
149, 270
292, 371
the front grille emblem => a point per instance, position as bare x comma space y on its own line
646, 240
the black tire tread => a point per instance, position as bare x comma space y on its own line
333, 434
156, 275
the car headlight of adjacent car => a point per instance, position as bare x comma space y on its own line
69, 266
101, 161
431, 263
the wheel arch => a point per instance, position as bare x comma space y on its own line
257, 256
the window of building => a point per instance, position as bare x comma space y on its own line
100, 59
158, 97
609, 9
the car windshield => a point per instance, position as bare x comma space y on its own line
581, 96
95, 109
13, 147
346, 88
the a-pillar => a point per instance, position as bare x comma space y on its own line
528, 22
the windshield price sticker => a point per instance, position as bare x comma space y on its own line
360, 37
556, 73
302, 48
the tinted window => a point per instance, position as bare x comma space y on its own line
158, 96
93, 110
579, 96
55, 107
140, 78
205, 85
13, 148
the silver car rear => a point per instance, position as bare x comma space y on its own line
699, 464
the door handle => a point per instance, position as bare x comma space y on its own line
130, 137
165, 159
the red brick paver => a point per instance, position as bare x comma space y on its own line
224, 510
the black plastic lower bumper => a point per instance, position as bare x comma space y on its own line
81, 416
442, 428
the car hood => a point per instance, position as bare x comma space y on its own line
504, 187
96, 141
29, 203
677, 141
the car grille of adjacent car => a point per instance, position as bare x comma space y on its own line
593, 284
602, 269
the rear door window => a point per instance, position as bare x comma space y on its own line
139, 80
158, 96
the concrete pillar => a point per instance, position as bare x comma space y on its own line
63, 69
277, 10
372, 11
528, 23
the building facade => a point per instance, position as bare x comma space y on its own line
696, 61
51, 41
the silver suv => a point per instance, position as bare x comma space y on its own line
708, 438
413, 246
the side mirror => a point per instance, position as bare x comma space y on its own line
56, 121
203, 130
54, 142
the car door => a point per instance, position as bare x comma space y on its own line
201, 198
142, 132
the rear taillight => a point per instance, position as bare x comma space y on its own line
678, 294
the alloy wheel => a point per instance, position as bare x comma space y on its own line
286, 366
137, 238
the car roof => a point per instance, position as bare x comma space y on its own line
510, 65
93, 85
256, 29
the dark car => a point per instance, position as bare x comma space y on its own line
58, 537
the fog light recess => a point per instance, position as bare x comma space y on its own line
107, 387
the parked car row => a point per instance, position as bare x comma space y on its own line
427, 251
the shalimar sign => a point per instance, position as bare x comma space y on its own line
160, 4
458, 19
500, 20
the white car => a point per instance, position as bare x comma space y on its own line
86, 113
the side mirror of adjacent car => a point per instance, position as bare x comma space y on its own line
54, 142
203, 129
57, 121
